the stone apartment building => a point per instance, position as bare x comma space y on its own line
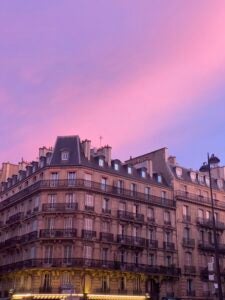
194, 225
79, 223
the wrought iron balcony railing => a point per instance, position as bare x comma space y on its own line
58, 233
88, 234
106, 237
126, 215
169, 246
90, 263
15, 218
187, 242
59, 207
82, 184
130, 240
208, 223
189, 269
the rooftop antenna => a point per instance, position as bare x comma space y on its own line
100, 141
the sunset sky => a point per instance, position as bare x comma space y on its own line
142, 74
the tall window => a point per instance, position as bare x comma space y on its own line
163, 194
122, 229
208, 215
87, 252
87, 180
151, 259
70, 200
65, 278
119, 186
54, 179
188, 259
151, 234
150, 214
88, 223
186, 233
89, 200
105, 226
135, 209
71, 177
52, 200
185, 210
167, 237
105, 283
122, 206
50, 223
147, 193
48, 254
122, 254
67, 253
189, 286
105, 205
167, 217
104, 254
103, 183
46, 282
133, 189
68, 223
200, 214
123, 283
168, 260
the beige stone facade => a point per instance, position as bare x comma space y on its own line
77, 222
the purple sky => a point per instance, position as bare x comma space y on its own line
142, 74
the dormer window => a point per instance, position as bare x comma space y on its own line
143, 174
129, 170
193, 176
179, 172
101, 162
201, 179
159, 178
116, 166
65, 155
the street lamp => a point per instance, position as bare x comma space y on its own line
206, 167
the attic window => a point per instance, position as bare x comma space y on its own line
179, 172
201, 179
116, 167
129, 170
159, 178
65, 155
143, 174
101, 162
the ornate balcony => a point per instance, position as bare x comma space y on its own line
106, 211
208, 223
211, 247
130, 240
189, 269
186, 218
59, 207
29, 237
129, 216
88, 234
82, 184
90, 263
168, 246
187, 242
58, 233
106, 237
89, 208
153, 244
15, 218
